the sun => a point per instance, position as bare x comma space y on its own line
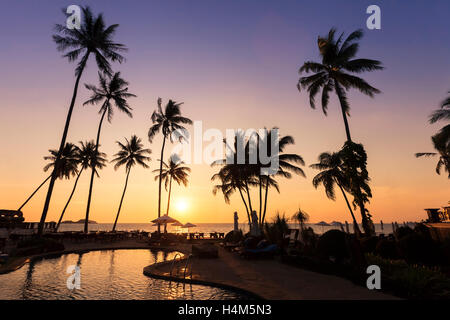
182, 205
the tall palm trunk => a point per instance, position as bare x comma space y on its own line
260, 201
121, 200
339, 93
160, 181
168, 200
355, 223
61, 147
365, 219
265, 200
246, 208
70, 198
86, 222
34, 192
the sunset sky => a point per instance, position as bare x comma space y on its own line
234, 64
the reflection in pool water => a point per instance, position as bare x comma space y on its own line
106, 274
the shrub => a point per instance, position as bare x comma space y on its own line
333, 243
234, 236
386, 249
402, 232
415, 248
369, 244
412, 281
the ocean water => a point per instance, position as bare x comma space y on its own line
209, 227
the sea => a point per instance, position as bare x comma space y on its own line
386, 228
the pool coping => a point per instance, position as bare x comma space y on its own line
150, 272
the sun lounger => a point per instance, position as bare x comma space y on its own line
267, 252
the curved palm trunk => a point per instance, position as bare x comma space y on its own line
61, 147
344, 115
86, 222
160, 181
355, 223
37, 189
168, 200
265, 201
246, 208
68, 201
260, 201
121, 200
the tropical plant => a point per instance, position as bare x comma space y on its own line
85, 158
331, 174
93, 37
302, 217
443, 114
167, 121
287, 164
276, 230
354, 168
113, 92
130, 154
173, 171
334, 72
67, 166
442, 145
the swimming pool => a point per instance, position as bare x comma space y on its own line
104, 275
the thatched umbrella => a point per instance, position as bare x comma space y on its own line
165, 219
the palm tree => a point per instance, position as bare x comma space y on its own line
301, 216
332, 174
86, 158
95, 38
442, 145
167, 121
67, 166
112, 91
130, 154
286, 165
236, 176
443, 114
334, 72
173, 171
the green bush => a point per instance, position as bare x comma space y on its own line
369, 244
415, 248
234, 236
386, 249
333, 243
402, 232
412, 281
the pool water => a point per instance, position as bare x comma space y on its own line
105, 275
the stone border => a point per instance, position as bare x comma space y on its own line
148, 271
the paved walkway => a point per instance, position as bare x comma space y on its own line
271, 279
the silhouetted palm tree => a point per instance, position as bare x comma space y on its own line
443, 114
113, 92
86, 158
354, 168
330, 165
301, 216
333, 73
167, 121
442, 145
67, 166
94, 38
236, 176
130, 154
286, 165
173, 171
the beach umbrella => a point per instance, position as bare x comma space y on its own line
165, 219
188, 225
335, 223
177, 224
